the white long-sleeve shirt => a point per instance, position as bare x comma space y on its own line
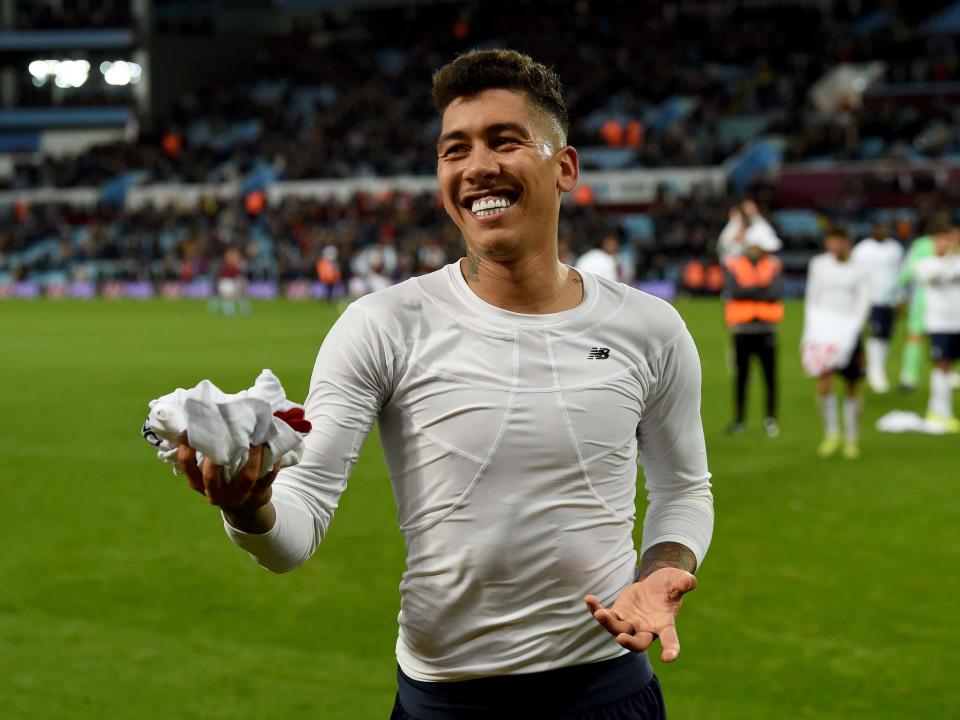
730, 244
940, 278
841, 287
881, 260
512, 443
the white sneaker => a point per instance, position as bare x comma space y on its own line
879, 385
771, 427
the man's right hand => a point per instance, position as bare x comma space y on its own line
245, 500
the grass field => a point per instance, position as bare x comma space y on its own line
829, 592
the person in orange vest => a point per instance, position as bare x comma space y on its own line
328, 271
753, 291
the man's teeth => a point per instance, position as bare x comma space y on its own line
490, 206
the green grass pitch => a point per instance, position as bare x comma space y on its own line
831, 589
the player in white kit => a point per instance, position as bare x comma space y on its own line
732, 240
880, 256
602, 261
939, 275
514, 397
836, 304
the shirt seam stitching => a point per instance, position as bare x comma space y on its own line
556, 388
415, 530
572, 436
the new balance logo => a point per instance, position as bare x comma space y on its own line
598, 353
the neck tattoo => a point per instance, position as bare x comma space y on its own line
473, 266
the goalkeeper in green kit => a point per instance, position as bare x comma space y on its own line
921, 248
913, 350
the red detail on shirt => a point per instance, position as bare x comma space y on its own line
295, 419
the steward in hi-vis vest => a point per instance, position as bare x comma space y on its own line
754, 289
753, 292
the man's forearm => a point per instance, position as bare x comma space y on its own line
256, 521
664, 555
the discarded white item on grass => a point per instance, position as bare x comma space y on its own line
900, 421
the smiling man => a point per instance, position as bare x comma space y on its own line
514, 396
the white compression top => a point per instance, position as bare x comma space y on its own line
940, 277
881, 260
511, 442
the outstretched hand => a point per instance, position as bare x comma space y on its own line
646, 610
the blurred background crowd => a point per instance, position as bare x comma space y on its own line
836, 109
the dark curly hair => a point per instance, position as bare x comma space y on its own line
837, 229
940, 223
479, 70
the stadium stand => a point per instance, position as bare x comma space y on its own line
315, 107
739, 91
71, 14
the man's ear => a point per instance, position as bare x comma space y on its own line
569, 164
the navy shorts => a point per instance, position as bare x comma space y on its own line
854, 370
945, 346
623, 688
881, 322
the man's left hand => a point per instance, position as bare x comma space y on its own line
645, 610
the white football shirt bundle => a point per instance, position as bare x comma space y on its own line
223, 426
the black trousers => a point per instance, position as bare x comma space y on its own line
764, 346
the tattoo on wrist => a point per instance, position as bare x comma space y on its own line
473, 266
664, 555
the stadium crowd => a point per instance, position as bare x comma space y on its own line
70, 14
343, 99
284, 242
340, 98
